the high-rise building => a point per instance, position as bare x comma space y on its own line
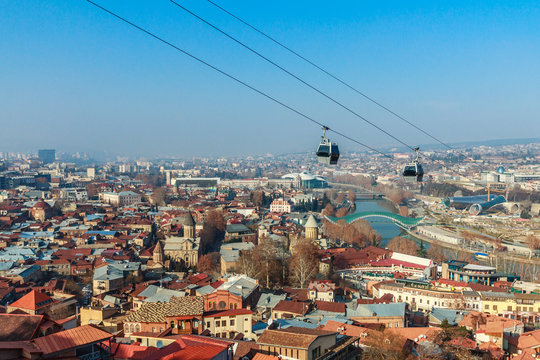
91, 172
47, 155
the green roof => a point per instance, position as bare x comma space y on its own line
402, 221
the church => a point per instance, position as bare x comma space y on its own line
185, 248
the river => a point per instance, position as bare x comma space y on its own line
385, 227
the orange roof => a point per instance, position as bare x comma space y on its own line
347, 329
417, 334
34, 300
259, 356
70, 339
529, 339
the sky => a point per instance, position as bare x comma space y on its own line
74, 78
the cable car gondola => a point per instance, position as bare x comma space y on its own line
413, 171
327, 152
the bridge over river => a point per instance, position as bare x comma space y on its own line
403, 222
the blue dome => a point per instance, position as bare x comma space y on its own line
500, 170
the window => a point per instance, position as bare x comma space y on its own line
208, 324
172, 324
509, 308
232, 322
315, 353
494, 307
224, 323
230, 306
487, 307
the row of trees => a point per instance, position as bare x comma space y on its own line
359, 233
272, 265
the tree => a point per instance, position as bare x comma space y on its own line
533, 242
369, 235
436, 253
257, 197
385, 345
329, 210
352, 196
403, 245
422, 250
304, 263
216, 219
247, 264
209, 263
158, 197
266, 255
342, 211
213, 231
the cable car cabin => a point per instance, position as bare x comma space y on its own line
328, 152
413, 172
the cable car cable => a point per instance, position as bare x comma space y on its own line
343, 82
236, 79
291, 74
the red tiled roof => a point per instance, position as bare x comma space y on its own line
293, 307
34, 300
190, 348
463, 342
259, 356
347, 329
330, 306
17, 327
529, 339
135, 352
70, 339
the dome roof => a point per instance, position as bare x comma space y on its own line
311, 222
501, 170
41, 205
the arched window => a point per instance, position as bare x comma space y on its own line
222, 305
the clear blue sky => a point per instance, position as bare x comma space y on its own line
75, 79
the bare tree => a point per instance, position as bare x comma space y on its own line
247, 264
403, 245
304, 263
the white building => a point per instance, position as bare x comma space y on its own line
74, 194
322, 290
122, 198
280, 206
440, 234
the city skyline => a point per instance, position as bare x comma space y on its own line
79, 80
